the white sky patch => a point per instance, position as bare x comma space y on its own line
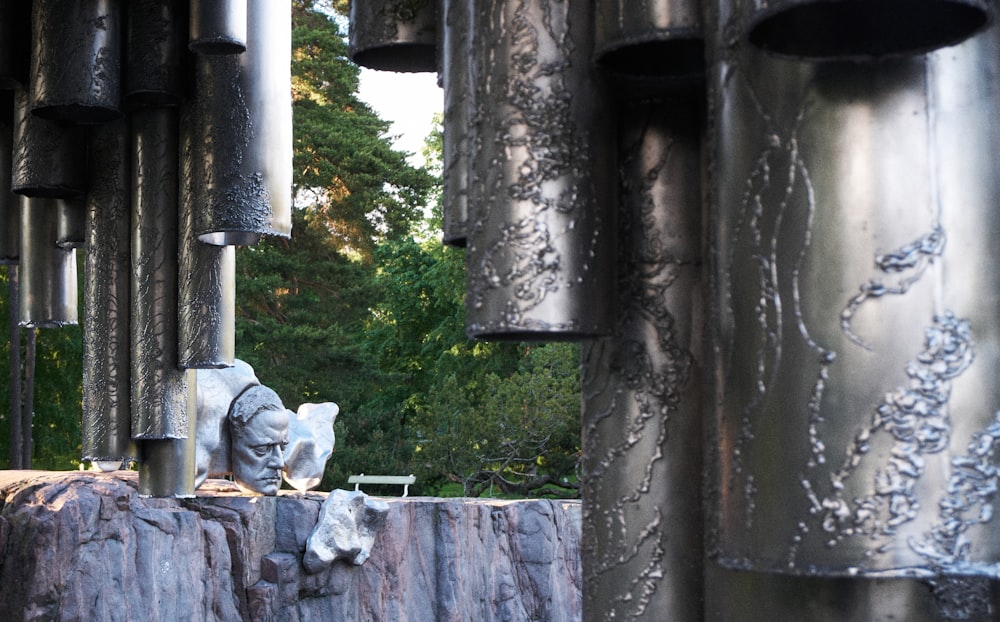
409, 101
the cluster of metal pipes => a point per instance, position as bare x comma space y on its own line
772, 225
156, 135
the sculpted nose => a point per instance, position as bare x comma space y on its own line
275, 459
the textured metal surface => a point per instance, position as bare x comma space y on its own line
15, 43
156, 73
394, 35
242, 135
541, 245
71, 223
49, 159
107, 419
650, 38
642, 432
849, 29
158, 385
854, 325
167, 466
456, 52
76, 60
218, 26
47, 272
10, 211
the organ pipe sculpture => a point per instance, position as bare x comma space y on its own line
790, 412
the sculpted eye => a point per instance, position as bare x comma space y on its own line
261, 450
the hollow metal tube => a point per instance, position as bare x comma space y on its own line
156, 70
651, 39
47, 272
49, 158
394, 35
218, 26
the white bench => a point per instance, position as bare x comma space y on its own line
401, 480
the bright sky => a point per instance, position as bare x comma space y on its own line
408, 100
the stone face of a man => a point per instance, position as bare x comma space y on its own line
257, 451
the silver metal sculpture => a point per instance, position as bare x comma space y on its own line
107, 415
456, 158
651, 38
218, 26
155, 72
71, 217
47, 272
76, 60
10, 211
15, 43
310, 444
642, 410
541, 244
49, 159
394, 35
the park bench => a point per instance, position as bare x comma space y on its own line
401, 480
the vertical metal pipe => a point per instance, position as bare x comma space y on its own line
206, 304
854, 349
76, 60
48, 273
168, 466
71, 218
651, 38
10, 211
456, 51
541, 247
107, 418
158, 385
243, 113
394, 35
155, 72
15, 43
218, 26
642, 434
49, 158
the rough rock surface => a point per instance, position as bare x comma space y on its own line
85, 546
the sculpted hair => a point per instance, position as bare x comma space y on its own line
249, 403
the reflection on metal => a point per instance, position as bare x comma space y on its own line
651, 38
158, 385
456, 51
642, 432
155, 68
49, 159
71, 218
856, 411
242, 135
10, 211
76, 60
849, 29
394, 35
15, 43
219, 26
47, 272
107, 419
541, 245
167, 466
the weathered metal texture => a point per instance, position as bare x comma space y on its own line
854, 334
10, 211
167, 466
219, 26
394, 35
76, 60
849, 29
156, 71
15, 43
49, 158
71, 223
642, 415
660, 39
206, 305
541, 243
158, 385
47, 272
107, 419
456, 51
243, 134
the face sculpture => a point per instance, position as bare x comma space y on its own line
259, 428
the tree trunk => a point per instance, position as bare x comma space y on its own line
14, 334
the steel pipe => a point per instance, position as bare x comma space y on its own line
156, 71
456, 51
855, 406
71, 223
107, 418
10, 211
49, 158
541, 244
158, 385
15, 43
642, 545
168, 467
47, 272
394, 35
659, 39
76, 60
243, 135
218, 26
